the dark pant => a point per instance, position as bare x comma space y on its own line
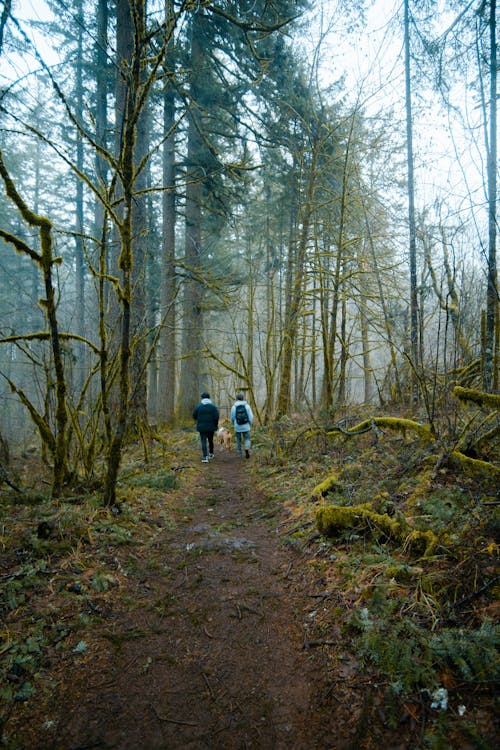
204, 436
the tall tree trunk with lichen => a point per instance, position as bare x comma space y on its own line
296, 292
414, 329
128, 82
101, 230
166, 372
192, 316
79, 254
491, 355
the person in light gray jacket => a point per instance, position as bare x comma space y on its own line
242, 419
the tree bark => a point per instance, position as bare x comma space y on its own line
414, 337
167, 348
79, 378
45, 260
296, 290
128, 82
192, 316
491, 355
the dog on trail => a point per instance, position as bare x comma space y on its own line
224, 436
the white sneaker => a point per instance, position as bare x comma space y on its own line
204, 460
211, 455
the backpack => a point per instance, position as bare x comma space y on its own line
241, 414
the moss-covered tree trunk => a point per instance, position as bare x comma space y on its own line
46, 261
414, 328
166, 361
193, 290
129, 66
490, 352
294, 304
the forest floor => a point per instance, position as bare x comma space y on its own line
190, 620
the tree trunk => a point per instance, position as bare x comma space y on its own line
167, 349
344, 351
414, 337
365, 341
295, 291
138, 391
79, 255
152, 303
128, 82
491, 355
45, 260
192, 317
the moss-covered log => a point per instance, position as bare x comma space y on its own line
467, 374
488, 400
393, 423
476, 467
334, 518
330, 484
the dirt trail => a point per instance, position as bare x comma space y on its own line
209, 653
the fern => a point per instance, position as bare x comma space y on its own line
473, 653
403, 651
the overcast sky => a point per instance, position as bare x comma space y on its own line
370, 55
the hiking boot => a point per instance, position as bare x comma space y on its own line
247, 453
204, 460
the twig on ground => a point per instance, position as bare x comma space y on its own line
169, 720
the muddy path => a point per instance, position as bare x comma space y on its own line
206, 648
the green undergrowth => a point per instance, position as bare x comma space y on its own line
422, 617
419, 618
64, 565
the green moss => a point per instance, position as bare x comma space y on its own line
394, 423
422, 542
475, 467
490, 400
334, 518
162, 480
330, 484
402, 572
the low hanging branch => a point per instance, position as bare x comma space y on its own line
45, 261
44, 336
41, 423
391, 423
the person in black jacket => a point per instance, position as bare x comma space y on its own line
206, 415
